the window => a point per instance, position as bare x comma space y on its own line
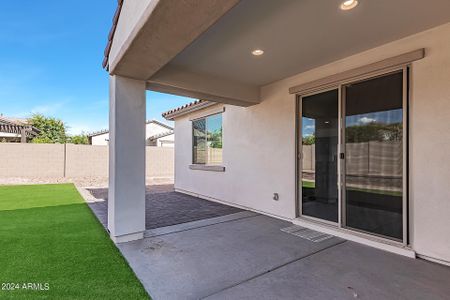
207, 140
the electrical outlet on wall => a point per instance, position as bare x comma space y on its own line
276, 196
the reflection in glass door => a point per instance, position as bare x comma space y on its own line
319, 155
374, 155
363, 187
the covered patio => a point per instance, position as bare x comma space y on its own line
257, 60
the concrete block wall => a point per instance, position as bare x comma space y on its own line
31, 160
159, 162
86, 160
73, 161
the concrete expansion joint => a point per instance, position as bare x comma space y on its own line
275, 268
183, 227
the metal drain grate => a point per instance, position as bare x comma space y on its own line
308, 234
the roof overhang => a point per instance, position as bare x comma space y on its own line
149, 34
202, 49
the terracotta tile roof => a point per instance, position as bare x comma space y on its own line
190, 107
95, 133
14, 121
160, 124
160, 135
112, 31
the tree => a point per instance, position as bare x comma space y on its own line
81, 139
374, 132
52, 130
215, 138
309, 140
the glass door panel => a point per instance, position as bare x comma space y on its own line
319, 135
374, 155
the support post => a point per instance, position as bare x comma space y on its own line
126, 197
23, 135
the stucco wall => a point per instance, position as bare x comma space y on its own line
101, 139
259, 143
167, 141
131, 13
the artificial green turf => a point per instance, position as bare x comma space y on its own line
308, 184
49, 235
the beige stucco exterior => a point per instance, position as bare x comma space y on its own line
259, 144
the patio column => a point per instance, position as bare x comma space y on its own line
23, 135
126, 197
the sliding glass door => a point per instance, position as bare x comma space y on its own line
352, 166
320, 141
374, 155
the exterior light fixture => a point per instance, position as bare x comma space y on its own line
257, 52
349, 4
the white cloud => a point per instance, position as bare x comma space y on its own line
366, 120
47, 108
78, 128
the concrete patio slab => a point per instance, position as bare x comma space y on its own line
348, 271
203, 261
197, 224
245, 255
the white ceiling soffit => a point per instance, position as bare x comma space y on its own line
298, 35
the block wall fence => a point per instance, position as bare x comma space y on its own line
73, 161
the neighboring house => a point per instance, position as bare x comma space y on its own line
157, 134
16, 130
99, 138
166, 139
330, 118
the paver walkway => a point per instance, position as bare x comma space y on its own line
165, 207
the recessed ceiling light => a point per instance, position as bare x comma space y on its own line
257, 52
349, 4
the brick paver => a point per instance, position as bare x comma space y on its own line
165, 207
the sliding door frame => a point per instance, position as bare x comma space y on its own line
299, 159
406, 95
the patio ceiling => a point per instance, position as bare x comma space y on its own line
300, 35
296, 35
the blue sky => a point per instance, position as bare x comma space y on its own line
50, 63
